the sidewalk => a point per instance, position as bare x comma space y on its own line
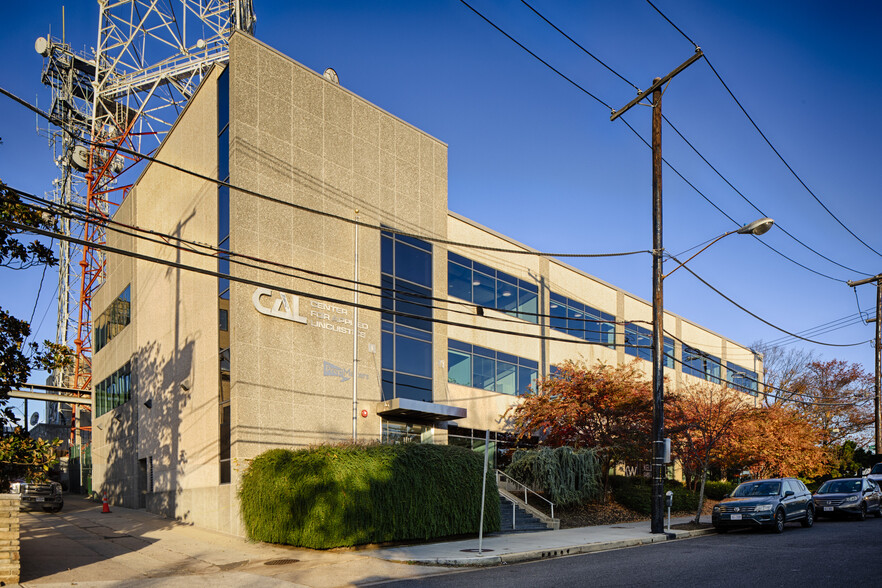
519, 547
127, 547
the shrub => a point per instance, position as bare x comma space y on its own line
636, 494
343, 495
718, 490
565, 476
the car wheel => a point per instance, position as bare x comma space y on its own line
809, 519
862, 515
878, 512
721, 529
779, 521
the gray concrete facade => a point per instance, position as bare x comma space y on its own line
312, 156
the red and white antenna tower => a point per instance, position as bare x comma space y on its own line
124, 94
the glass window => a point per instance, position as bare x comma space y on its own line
700, 364
580, 320
113, 320
413, 357
459, 369
491, 288
413, 265
223, 213
741, 378
506, 378
484, 373
406, 340
459, 281
489, 369
114, 390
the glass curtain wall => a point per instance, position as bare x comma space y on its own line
223, 267
406, 279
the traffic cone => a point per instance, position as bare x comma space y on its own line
105, 508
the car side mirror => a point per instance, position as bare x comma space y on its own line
726, 496
789, 493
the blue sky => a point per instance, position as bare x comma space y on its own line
535, 158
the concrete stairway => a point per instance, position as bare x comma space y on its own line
522, 521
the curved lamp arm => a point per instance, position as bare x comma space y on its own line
757, 227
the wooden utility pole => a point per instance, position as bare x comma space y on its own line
878, 348
658, 381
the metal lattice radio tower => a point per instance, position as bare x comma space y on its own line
121, 97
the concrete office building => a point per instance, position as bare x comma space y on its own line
194, 374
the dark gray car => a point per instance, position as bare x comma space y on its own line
765, 503
854, 497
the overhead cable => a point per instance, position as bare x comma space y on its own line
766, 139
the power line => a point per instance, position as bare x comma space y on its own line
766, 139
759, 318
238, 279
325, 214
697, 152
260, 284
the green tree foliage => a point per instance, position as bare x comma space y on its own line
343, 495
20, 456
565, 476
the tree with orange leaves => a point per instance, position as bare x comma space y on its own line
704, 420
777, 441
607, 408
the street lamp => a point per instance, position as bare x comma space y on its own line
757, 227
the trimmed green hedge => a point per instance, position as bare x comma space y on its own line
636, 493
343, 495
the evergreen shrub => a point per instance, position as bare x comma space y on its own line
718, 490
636, 494
564, 476
343, 495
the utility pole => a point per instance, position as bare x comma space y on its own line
878, 357
658, 381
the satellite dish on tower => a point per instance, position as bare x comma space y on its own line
35, 418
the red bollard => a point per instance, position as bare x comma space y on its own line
105, 508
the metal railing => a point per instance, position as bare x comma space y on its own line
502, 477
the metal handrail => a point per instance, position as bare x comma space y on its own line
508, 478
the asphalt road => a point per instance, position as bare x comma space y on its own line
832, 553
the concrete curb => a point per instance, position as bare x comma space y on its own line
539, 554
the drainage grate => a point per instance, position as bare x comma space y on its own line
475, 550
280, 562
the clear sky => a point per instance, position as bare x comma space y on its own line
535, 158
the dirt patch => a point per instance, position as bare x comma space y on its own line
612, 513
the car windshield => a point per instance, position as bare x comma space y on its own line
840, 487
758, 489
877, 469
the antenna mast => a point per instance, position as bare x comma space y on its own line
125, 93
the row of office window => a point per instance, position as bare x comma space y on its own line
114, 390
638, 342
479, 367
580, 320
114, 319
741, 378
701, 364
490, 288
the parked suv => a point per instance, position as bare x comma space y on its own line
38, 496
765, 503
